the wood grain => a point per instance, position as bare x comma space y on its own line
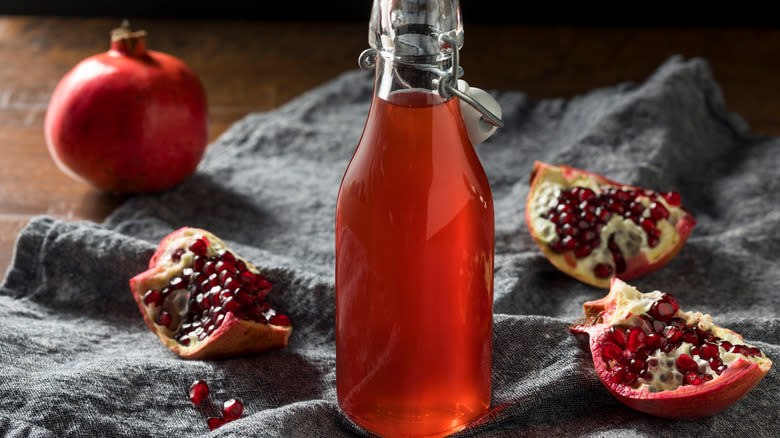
249, 66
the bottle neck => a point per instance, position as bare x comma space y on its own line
399, 77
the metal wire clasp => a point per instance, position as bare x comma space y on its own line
447, 82
448, 85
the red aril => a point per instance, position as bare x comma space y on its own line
594, 229
232, 409
199, 391
216, 422
128, 120
205, 301
684, 366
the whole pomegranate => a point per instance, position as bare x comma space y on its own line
594, 229
204, 301
128, 120
659, 359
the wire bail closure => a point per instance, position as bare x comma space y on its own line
448, 80
448, 85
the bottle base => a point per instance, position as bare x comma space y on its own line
434, 424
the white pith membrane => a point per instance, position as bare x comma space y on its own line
630, 304
628, 235
177, 304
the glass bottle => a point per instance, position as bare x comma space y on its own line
414, 240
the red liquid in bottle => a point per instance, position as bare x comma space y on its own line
414, 272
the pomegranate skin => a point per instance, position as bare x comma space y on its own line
128, 120
685, 402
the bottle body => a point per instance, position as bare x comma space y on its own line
414, 270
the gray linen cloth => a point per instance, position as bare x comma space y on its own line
76, 359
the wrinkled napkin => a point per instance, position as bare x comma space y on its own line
77, 360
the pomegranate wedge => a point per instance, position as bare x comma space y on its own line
594, 229
658, 359
203, 301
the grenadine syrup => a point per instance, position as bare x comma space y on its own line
414, 272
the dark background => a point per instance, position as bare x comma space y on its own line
545, 12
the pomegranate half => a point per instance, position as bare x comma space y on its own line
204, 301
128, 120
657, 358
594, 229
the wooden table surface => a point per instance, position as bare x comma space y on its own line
251, 66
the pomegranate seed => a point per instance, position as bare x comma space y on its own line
634, 338
198, 262
280, 320
153, 297
177, 283
243, 296
223, 266
247, 277
586, 219
569, 242
719, 370
586, 194
726, 345
672, 334
648, 225
653, 241
164, 318
231, 305
176, 255
199, 247
617, 208
617, 335
585, 208
232, 409
565, 208
624, 195
603, 214
692, 378
672, 198
670, 346
715, 363
690, 337
611, 351
658, 211
262, 283
655, 341
199, 390
638, 365
658, 326
664, 308
215, 422
582, 252
620, 263
741, 349
569, 231
686, 363
636, 208
227, 256
603, 270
